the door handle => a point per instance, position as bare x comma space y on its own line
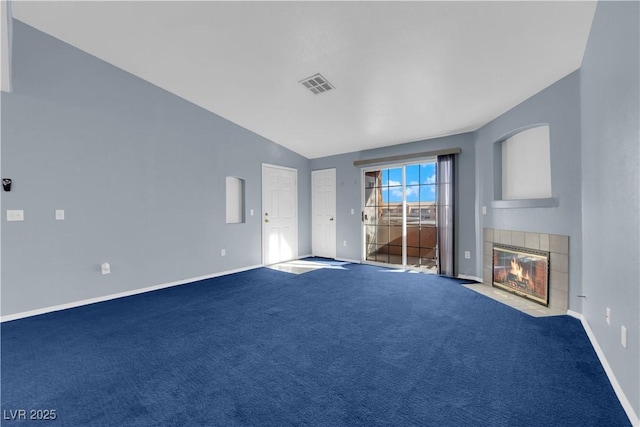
331, 219
266, 220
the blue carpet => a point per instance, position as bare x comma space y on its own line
347, 345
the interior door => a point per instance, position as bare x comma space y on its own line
323, 208
279, 214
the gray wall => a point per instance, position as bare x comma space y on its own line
559, 106
610, 194
139, 172
349, 194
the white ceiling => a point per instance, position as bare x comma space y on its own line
403, 71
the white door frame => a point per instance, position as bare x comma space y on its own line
295, 203
332, 250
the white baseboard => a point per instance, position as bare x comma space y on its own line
464, 276
305, 256
353, 261
74, 304
576, 315
626, 405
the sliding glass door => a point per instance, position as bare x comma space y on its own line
400, 215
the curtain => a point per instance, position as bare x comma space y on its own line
445, 212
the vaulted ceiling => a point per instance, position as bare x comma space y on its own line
401, 71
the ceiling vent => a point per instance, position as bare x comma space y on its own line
317, 84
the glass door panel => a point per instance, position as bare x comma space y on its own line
382, 215
372, 198
400, 215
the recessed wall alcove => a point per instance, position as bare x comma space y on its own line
522, 169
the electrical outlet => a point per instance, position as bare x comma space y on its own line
223, 252
105, 268
484, 210
344, 243
59, 215
467, 254
623, 338
352, 212
607, 316
15, 215
251, 212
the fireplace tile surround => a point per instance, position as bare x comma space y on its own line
558, 248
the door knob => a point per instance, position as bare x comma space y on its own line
266, 220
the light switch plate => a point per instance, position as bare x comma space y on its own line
623, 338
15, 215
59, 215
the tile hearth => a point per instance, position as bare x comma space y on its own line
514, 301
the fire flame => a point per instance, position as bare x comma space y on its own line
516, 269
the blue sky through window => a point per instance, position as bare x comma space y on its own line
420, 186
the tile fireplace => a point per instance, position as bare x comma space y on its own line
553, 247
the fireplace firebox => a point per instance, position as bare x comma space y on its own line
524, 272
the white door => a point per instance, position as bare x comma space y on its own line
279, 214
323, 209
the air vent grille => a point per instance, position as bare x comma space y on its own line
317, 84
